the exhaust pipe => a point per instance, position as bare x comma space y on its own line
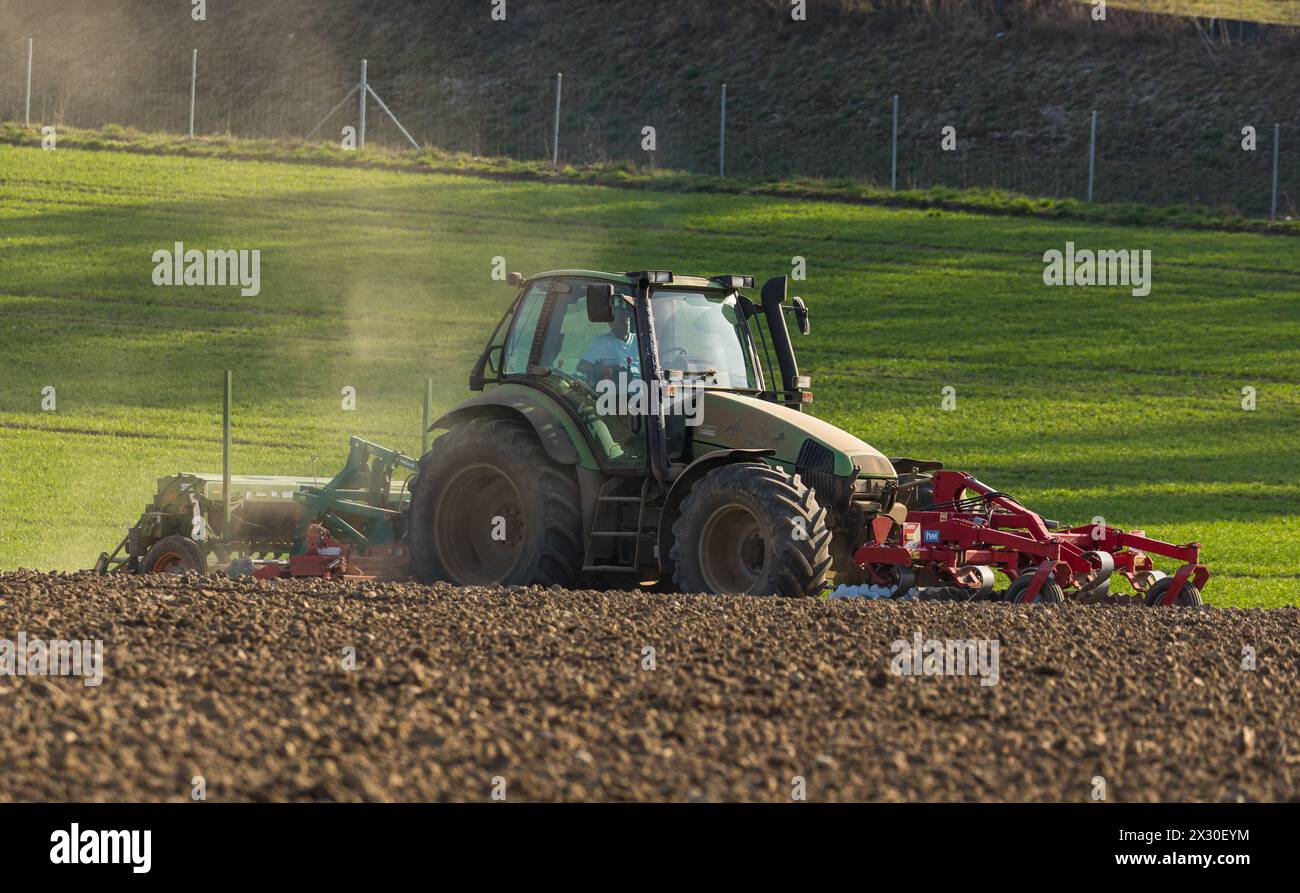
773, 297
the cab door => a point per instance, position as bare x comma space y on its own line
592, 368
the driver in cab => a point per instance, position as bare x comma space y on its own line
613, 350
612, 357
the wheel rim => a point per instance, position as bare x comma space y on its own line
169, 563
733, 552
464, 525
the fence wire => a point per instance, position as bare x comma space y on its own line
241, 94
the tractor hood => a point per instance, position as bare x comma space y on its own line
734, 421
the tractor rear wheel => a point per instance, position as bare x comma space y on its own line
174, 555
753, 529
490, 508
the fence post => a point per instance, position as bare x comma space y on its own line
27, 115
361, 112
428, 412
893, 152
225, 459
1277, 138
194, 77
555, 142
722, 136
1092, 155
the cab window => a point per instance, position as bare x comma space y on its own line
519, 343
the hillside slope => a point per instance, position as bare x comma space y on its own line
1017, 81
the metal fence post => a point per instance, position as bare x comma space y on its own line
225, 459
555, 142
1277, 138
722, 136
194, 77
893, 152
361, 112
1092, 156
27, 115
428, 413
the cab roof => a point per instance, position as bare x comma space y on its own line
585, 274
630, 278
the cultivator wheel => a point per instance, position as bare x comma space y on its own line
1050, 593
1188, 597
1144, 580
976, 580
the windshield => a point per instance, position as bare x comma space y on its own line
703, 337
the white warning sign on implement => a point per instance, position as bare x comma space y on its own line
911, 535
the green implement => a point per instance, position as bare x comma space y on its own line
184, 528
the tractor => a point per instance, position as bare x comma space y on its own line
649, 429
646, 429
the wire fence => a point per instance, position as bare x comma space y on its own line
243, 96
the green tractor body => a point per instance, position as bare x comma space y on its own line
643, 429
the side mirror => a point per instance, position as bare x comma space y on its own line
800, 315
600, 302
515, 279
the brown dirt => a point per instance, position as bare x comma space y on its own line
243, 684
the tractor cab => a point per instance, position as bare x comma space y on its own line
631, 352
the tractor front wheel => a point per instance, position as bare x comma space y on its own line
749, 528
491, 508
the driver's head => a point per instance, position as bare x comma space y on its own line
621, 323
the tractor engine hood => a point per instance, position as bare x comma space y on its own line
730, 420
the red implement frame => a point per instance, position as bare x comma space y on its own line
995, 530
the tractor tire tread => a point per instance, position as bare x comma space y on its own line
558, 557
801, 565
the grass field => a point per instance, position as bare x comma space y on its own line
1276, 12
1085, 402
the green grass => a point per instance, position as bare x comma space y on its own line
1275, 12
1083, 401
625, 174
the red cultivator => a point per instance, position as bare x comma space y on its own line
955, 539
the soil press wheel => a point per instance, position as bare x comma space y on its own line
1188, 597
1050, 594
